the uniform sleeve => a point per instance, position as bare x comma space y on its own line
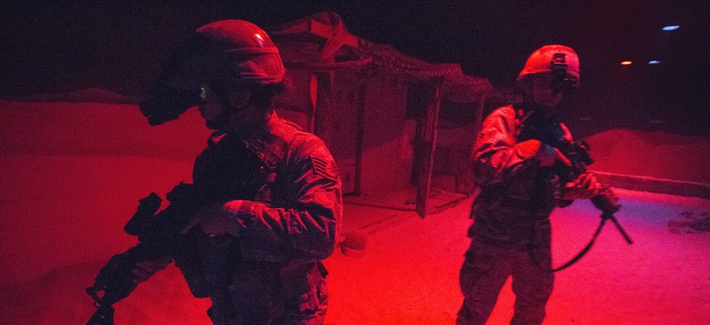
306, 228
497, 156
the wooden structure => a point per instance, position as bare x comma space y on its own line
376, 108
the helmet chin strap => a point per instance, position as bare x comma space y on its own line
243, 119
227, 118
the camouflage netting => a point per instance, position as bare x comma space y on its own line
322, 41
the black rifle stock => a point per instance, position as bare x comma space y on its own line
606, 201
158, 236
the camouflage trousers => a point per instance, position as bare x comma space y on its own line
260, 296
486, 269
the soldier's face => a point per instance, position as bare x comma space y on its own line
543, 92
210, 108
216, 108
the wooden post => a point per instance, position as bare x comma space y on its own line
362, 78
464, 178
323, 115
431, 123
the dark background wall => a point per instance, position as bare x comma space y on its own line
67, 45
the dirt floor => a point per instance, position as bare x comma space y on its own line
409, 273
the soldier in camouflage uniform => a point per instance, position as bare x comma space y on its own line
513, 159
273, 189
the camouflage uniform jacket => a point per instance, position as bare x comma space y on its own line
516, 194
288, 221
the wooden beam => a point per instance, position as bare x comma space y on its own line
431, 124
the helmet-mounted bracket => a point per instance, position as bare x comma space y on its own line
561, 80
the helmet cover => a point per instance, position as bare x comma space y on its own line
562, 61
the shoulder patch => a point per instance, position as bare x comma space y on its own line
324, 167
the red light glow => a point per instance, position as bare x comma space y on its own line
627, 62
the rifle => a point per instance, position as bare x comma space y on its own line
578, 154
606, 201
158, 236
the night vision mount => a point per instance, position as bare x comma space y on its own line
561, 80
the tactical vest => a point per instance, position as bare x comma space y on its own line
232, 168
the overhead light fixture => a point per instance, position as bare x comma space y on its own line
670, 27
654, 62
627, 62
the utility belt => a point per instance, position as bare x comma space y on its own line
496, 198
208, 263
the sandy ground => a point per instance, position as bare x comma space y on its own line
409, 274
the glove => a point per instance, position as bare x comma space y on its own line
545, 154
585, 186
145, 269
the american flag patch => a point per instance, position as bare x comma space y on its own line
325, 168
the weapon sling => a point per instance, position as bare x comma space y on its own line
604, 217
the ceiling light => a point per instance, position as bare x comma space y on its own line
670, 27
626, 62
654, 62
